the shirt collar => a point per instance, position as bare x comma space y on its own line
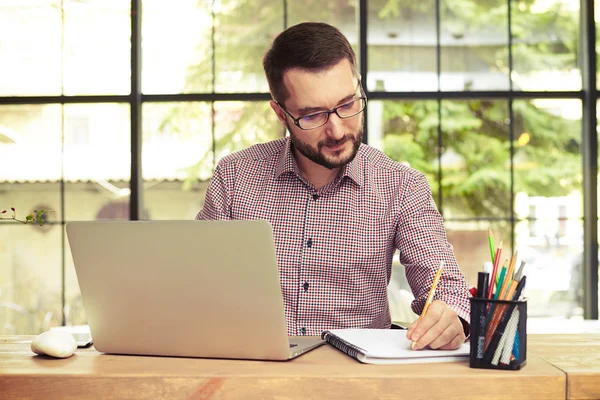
287, 164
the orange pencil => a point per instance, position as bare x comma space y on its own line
436, 279
509, 276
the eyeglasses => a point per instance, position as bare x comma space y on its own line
347, 110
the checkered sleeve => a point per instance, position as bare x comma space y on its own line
217, 202
421, 239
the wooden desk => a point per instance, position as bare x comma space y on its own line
322, 373
577, 355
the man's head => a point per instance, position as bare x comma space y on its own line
311, 68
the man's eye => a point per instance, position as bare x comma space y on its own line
347, 106
311, 117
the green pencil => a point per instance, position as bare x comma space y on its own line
492, 246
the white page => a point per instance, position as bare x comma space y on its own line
392, 343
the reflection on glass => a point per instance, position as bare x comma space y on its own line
177, 158
176, 46
30, 54
407, 132
97, 161
30, 278
240, 125
470, 242
545, 38
474, 45
475, 159
96, 59
402, 44
30, 158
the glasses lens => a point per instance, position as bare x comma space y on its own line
313, 120
351, 109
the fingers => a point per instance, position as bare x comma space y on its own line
439, 329
424, 325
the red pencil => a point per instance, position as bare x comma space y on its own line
494, 271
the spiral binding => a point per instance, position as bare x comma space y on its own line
341, 344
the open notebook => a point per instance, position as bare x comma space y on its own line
387, 346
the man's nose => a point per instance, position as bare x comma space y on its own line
335, 127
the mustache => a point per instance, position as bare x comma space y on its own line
331, 142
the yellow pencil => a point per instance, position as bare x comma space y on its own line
436, 279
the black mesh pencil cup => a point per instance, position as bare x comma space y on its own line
498, 334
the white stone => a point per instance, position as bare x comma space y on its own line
54, 343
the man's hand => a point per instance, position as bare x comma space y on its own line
439, 329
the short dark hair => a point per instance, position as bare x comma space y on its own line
309, 46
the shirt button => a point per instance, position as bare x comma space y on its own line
303, 330
315, 197
309, 242
305, 286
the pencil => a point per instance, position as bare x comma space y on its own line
494, 271
436, 279
492, 245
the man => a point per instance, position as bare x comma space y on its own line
339, 208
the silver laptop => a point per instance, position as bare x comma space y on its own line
183, 288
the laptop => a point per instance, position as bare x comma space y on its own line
183, 288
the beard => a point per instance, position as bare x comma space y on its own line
316, 155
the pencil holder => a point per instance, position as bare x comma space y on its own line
498, 334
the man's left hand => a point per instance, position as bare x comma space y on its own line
439, 329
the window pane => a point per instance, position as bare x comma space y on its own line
474, 45
97, 161
547, 155
239, 125
97, 59
30, 278
553, 251
30, 54
402, 42
243, 33
177, 157
475, 159
176, 46
407, 132
471, 247
31, 158
545, 48
548, 202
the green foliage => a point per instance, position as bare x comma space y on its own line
37, 216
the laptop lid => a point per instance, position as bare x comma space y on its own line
181, 288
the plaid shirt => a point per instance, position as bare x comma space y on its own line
335, 245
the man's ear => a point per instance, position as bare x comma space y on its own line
280, 114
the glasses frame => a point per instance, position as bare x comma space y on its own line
328, 112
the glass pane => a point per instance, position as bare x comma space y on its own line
30, 54
407, 132
239, 125
97, 161
545, 45
475, 159
547, 155
339, 13
401, 46
177, 157
471, 245
176, 46
553, 251
97, 59
474, 45
548, 202
242, 36
30, 278
31, 158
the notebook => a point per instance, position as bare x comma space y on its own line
183, 288
387, 346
